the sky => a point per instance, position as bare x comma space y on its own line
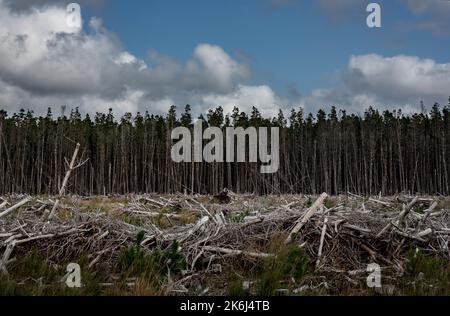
148, 55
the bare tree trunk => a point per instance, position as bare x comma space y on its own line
65, 181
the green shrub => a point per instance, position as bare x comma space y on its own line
134, 255
155, 265
34, 275
289, 263
235, 286
425, 275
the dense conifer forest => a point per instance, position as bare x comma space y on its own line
333, 152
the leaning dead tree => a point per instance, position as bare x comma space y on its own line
71, 167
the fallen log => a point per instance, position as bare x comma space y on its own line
232, 252
400, 218
15, 207
310, 213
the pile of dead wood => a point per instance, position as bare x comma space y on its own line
345, 237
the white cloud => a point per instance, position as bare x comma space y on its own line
216, 66
400, 79
263, 97
387, 82
44, 63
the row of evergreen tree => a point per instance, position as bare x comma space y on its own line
387, 152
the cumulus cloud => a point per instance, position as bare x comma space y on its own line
386, 82
263, 97
399, 78
216, 67
45, 62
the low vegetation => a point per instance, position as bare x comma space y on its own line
186, 245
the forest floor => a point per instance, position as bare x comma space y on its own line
238, 245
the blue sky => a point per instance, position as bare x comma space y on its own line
296, 45
145, 55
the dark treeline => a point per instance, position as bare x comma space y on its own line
332, 152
